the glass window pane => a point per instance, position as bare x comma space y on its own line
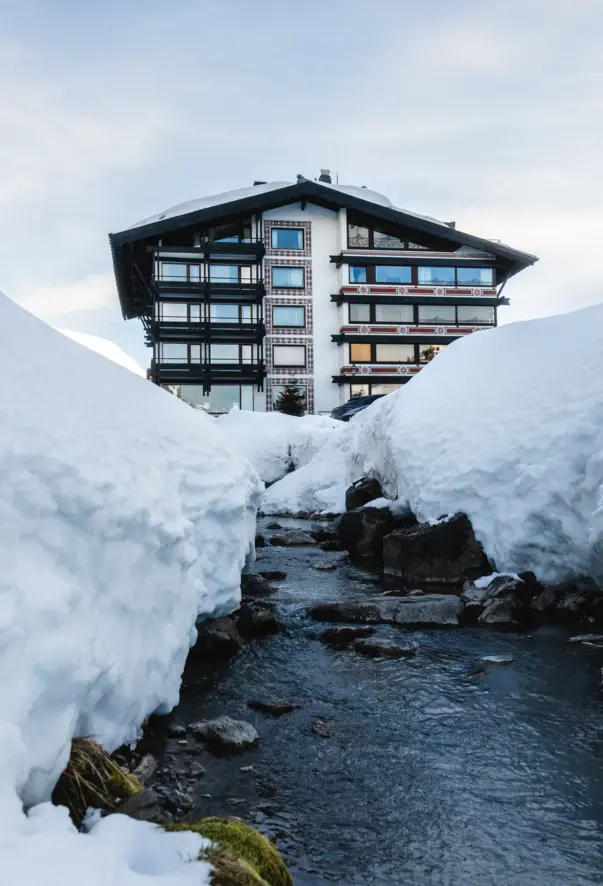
428, 352
194, 272
475, 314
357, 274
195, 313
247, 397
437, 275
246, 313
245, 273
294, 315
223, 397
360, 313
173, 310
392, 274
475, 276
359, 390
358, 236
224, 273
360, 353
195, 353
173, 271
289, 355
224, 353
287, 238
436, 314
287, 277
395, 353
247, 353
394, 313
174, 352
223, 313
194, 396
386, 241
384, 389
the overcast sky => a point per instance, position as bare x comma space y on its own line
489, 113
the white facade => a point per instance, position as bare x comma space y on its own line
324, 235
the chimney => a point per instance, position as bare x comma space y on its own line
256, 183
325, 176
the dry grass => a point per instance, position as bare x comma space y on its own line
92, 779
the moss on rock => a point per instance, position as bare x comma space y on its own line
92, 779
241, 855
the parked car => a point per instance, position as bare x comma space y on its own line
354, 405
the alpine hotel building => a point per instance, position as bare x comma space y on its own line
329, 286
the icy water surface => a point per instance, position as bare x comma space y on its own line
436, 772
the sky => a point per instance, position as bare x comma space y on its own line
488, 113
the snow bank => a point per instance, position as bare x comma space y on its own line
123, 515
106, 348
275, 443
505, 425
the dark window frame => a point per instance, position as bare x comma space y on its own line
289, 286
416, 321
303, 365
289, 325
371, 276
416, 361
274, 230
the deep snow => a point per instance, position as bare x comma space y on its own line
275, 443
106, 348
123, 515
505, 425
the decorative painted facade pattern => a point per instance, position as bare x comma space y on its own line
438, 291
395, 329
378, 369
285, 301
306, 227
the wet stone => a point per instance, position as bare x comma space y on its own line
274, 708
339, 637
383, 648
224, 732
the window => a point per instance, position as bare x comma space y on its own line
359, 390
278, 389
429, 276
174, 352
289, 355
437, 314
386, 241
428, 352
288, 278
357, 274
288, 315
360, 353
287, 238
395, 353
358, 236
172, 310
392, 274
475, 276
224, 273
475, 315
220, 399
223, 313
394, 313
224, 353
360, 313
384, 389
179, 272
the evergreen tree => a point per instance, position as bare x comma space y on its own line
291, 400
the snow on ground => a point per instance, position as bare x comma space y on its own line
275, 443
505, 425
123, 515
106, 348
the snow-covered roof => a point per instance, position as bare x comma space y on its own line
361, 193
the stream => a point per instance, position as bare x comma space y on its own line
436, 769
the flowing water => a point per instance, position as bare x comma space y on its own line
438, 769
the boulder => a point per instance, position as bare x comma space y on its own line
361, 532
257, 619
224, 732
382, 648
331, 545
340, 637
292, 539
273, 525
361, 492
274, 575
415, 610
319, 727
274, 708
503, 610
253, 585
145, 769
444, 553
144, 806
260, 541
217, 638
322, 533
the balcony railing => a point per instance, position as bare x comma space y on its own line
205, 330
206, 374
